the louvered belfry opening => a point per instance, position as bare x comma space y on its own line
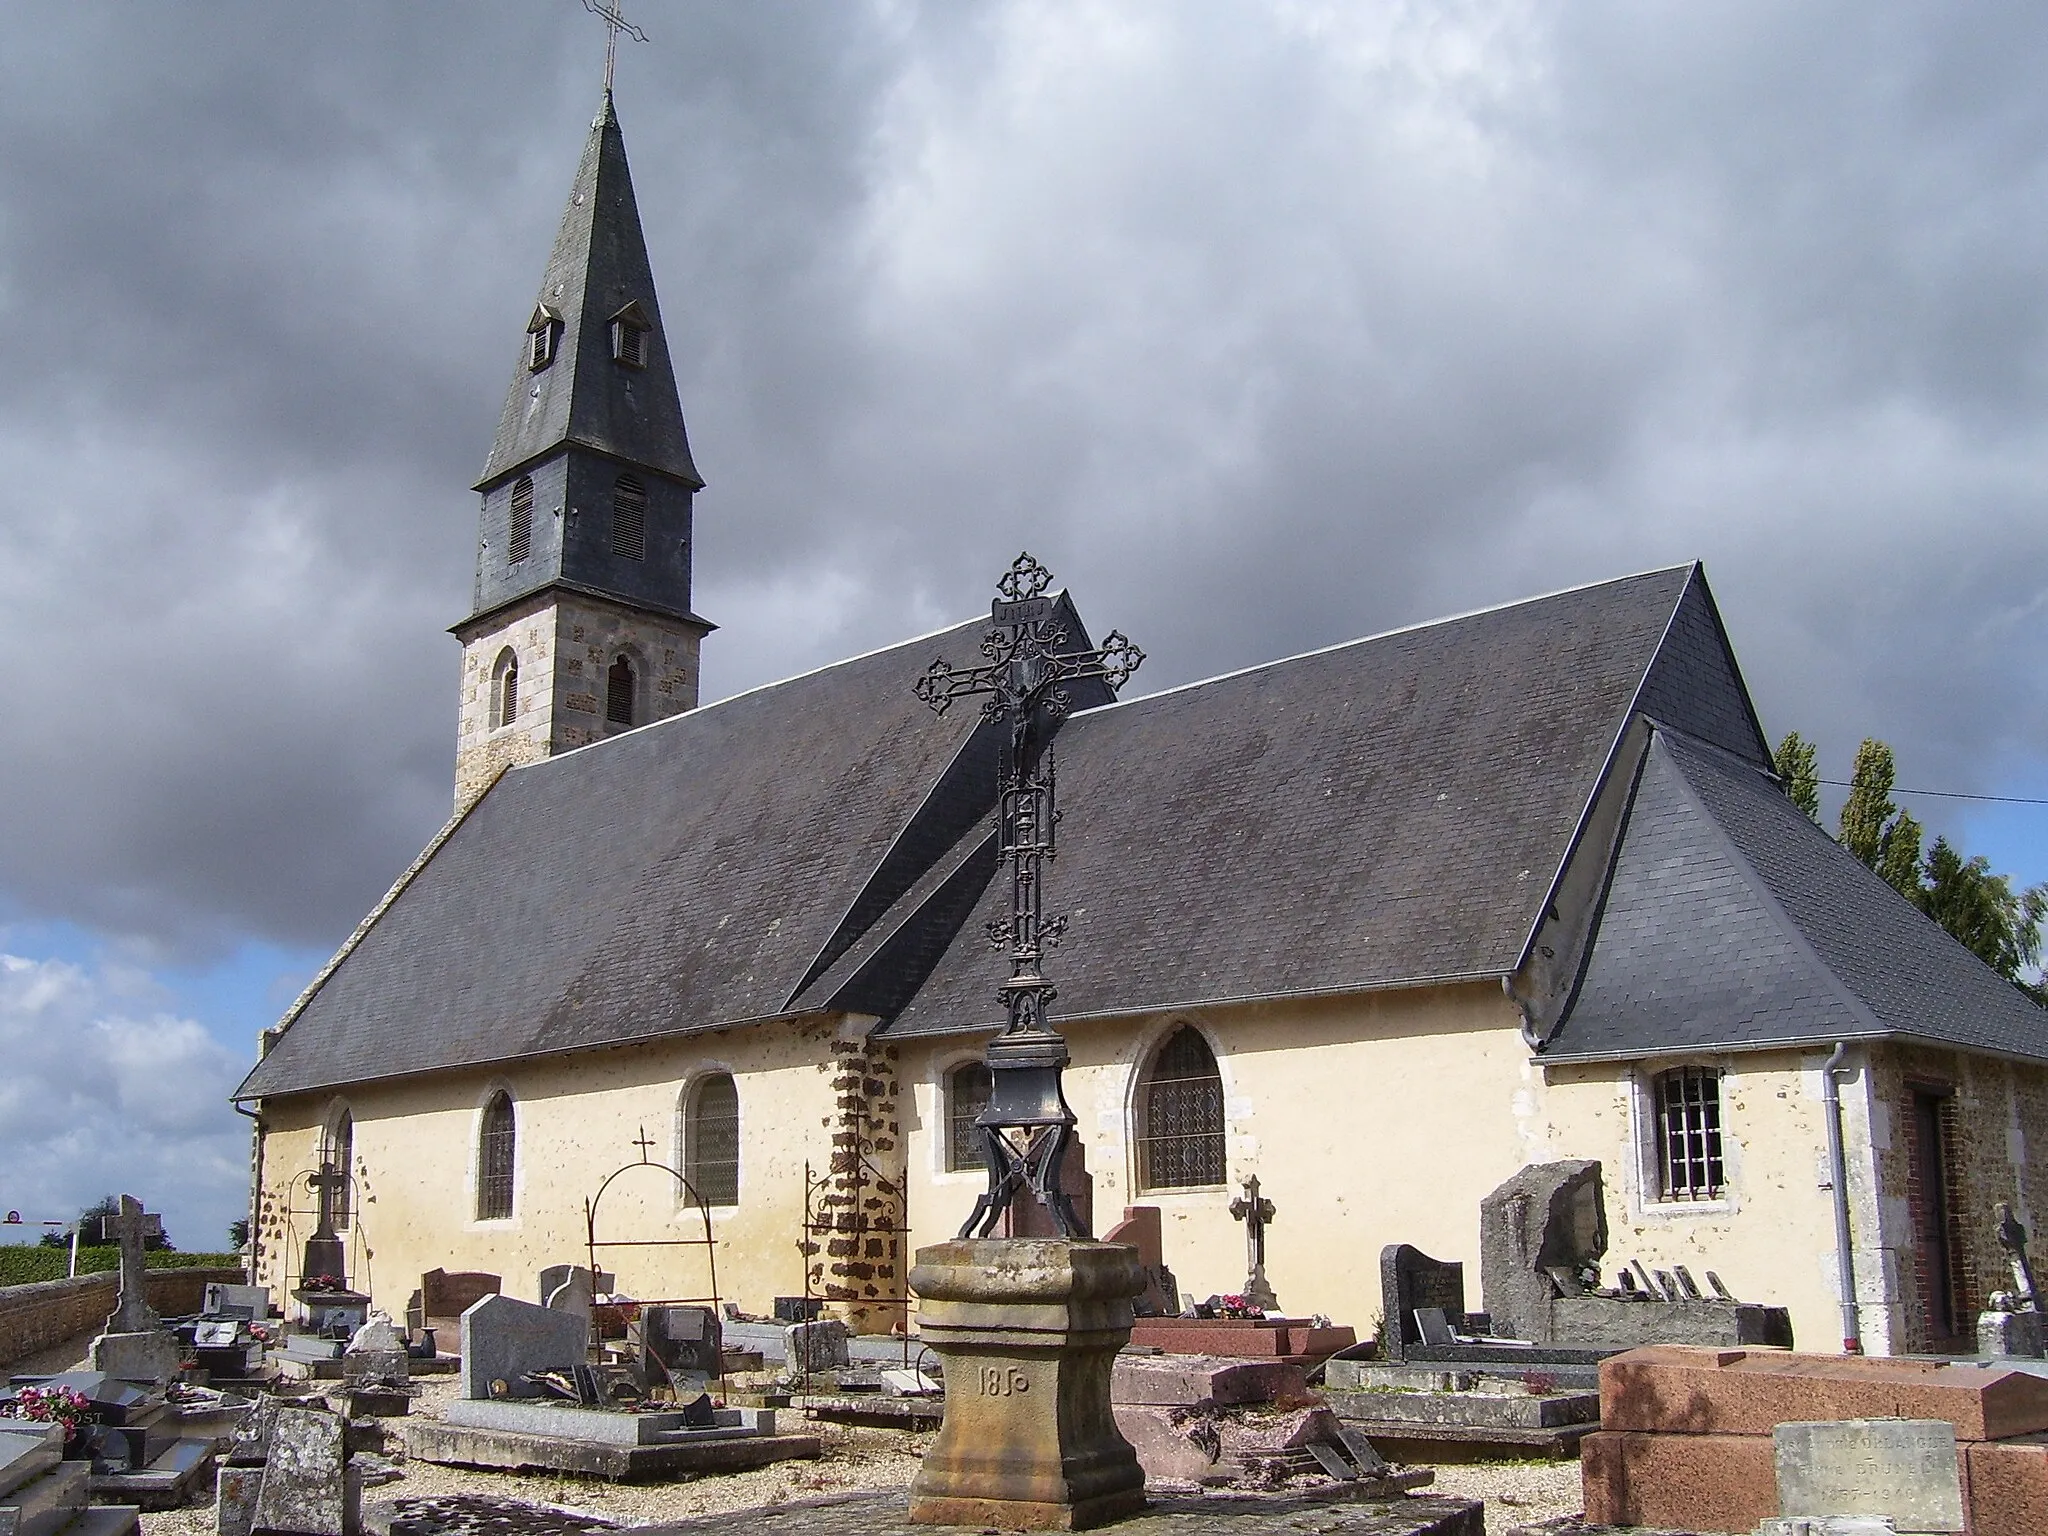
494, 1155
521, 543
967, 1093
711, 1140
1689, 1160
629, 343
618, 693
1180, 1115
629, 518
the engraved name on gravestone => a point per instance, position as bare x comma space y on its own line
1410, 1280
1900, 1469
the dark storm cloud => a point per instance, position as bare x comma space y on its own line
1264, 327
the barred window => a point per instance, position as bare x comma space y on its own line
494, 1153
521, 543
629, 518
505, 689
967, 1091
1180, 1115
618, 693
1689, 1164
711, 1139
341, 1151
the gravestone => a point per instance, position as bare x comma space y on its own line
326, 1255
678, 1339
1141, 1229
250, 1303
135, 1345
569, 1288
819, 1346
1537, 1232
376, 1352
1409, 1280
504, 1339
443, 1297
306, 1490
2004, 1332
1028, 1218
1255, 1211
1901, 1469
2012, 1239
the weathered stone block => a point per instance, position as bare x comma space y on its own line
147, 1356
1548, 1216
48, 1503
1905, 1469
235, 1509
1188, 1379
818, 1346
2009, 1334
305, 1489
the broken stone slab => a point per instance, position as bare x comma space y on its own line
1190, 1379
234, 1511
2009, 1335
378, 1403
1549, 1217
504, 1339
1619, 1322
1901, 1469
306, 1490
823, 1345
147, 1356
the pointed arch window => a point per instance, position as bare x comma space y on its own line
1180, 1115
711, 1139
629, 336
340, 1150
521, 543
505, 688
543, 336
496, 1148
618, 693
629, 517
968, 1087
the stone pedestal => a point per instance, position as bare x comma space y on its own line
151, 1355
1028, 1329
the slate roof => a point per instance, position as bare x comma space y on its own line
599, 265
1731, 921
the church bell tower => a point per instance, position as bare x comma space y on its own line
580, 624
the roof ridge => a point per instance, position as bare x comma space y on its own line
1388, 634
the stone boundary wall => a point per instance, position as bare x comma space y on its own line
34, 1317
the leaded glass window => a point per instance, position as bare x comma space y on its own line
1180, 1115
711, 1140
494, 1155
967, 1089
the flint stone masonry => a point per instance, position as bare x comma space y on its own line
1902, 1468
503, 1339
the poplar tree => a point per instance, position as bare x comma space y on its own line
1799, 767
1869, 809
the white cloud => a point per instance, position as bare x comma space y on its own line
99, 1095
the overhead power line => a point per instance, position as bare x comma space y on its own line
1949, 794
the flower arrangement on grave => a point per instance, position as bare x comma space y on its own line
1238, 1306
54, 1405
324, 1283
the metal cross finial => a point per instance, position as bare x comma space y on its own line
1030, 662
644, 1142
613, 14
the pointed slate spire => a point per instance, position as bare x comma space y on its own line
598, 281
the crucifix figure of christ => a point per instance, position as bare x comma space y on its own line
1028, 1124
1255, 1211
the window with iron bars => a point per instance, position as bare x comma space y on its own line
1689, 1161
711, 1140
968, 1087
494, 1154
1180, 1116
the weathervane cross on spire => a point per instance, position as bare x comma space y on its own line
613, 14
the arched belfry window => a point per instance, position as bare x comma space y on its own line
967, 1091
629, 518
1180, 1115
711, 1139
505, 688
618, 692
521, 543
495, 1149
339, 1148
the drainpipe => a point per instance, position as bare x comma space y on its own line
255, 1185
1838, 1176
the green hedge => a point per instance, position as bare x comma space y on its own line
24, 1265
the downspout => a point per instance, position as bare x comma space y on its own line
1838, 1179
255, 1185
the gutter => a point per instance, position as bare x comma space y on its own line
1838, 1175
256, 1133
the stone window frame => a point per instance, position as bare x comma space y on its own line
637, 702
490, 1095
507, 663
686, 1122
943, 1164
1136, 1103
338, 1111
1646, 1196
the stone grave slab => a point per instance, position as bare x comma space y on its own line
464, 1445
1902, 1468
234, 1512
376, 1352
306, 1490
25, 1457
1705, 1482
503, 1339
1180, 1380
823, 1345
251, 1303
48, 1503
1602, 1322
1676, 1390
1292, 1339
1409, 1280
677, 1339
605, 1426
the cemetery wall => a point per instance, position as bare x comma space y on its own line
34, 1317
577, 1118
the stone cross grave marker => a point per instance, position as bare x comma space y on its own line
1901, 1469
133, 1313
2012, 1237
1255, 1211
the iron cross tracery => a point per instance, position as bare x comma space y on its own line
1024, 684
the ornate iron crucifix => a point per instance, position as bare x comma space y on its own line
1027, 1125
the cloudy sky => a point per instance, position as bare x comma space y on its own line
1264, 325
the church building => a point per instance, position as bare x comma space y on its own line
707, 985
